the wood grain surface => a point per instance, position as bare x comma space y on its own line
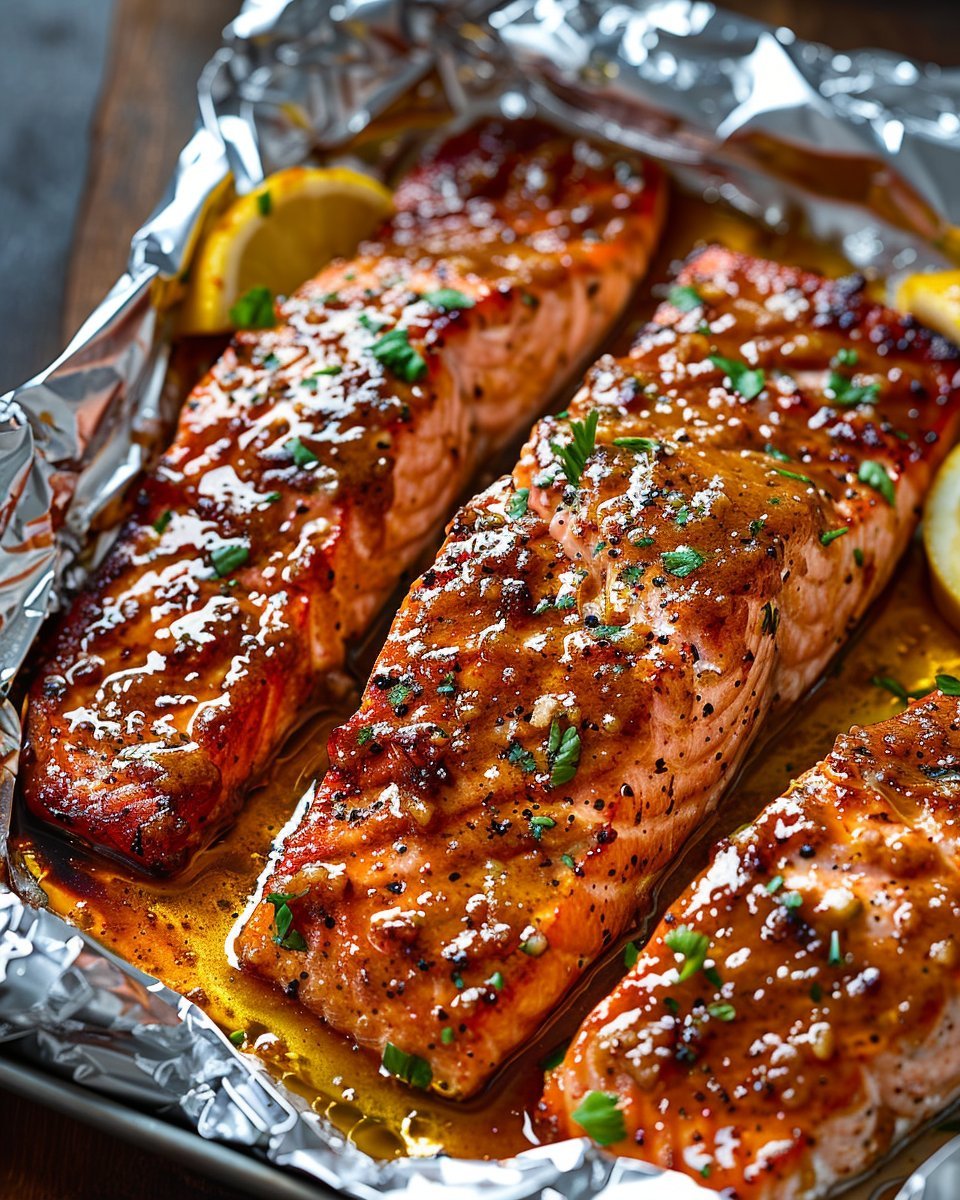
145, 115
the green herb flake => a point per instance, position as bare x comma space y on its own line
846, 356
330, 369
948, 684
686, 299
600, 1118
692, 948
682, 562
816, 993
283, 935
889, 684
161, 523
632, 574
573, 456
671, 1005
775, 453
791, 900
254, 310
568, 861
641, 445
835, 958
745, 381
565, 601
365, 735
301, 454
517, 504
563, 752
553, 1060
644, 541
264, 204
539, 824
875, 475
831, 535
238, 1037
631, 953
858, 556
398, 695
446, 1035
519, 757
448, 300
775, 884
271, 498
371, 322
756, 525
496, 980
227, 558
722, 1011
410, 1068
846, 394
793, 475
394, 352
448, 685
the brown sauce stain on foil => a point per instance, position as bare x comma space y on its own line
177, 930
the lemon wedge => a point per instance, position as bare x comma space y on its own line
941, 537
934, 299
277, 236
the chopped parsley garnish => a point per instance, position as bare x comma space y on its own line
846, 394
254, 310
775, 453
227, 558
610, 632
398, 695
394, 351
448, 299
644, 541
846, 356
446, 1035
517, 504
496, 980
682, 562
332, 369
554, 1058
330, 298
521, 758
633, 573
448, 686
744, 380
566, 601
301, 454
365, 735
948, 684
775, 884
567, 861
238, 1037
574, 454
756, 525
835, 958
685, 298
371, 322
270, 361
641, 444
539, 824
563, 754
631, 952
874, 475
163, 521
858, 556
264, 204
793, 475
894, 686
284, 936
271, 498
410, 1068
723, 1011
600, 1118
692, 948
791, 900
831, 535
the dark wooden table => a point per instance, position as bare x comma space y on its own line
145, 114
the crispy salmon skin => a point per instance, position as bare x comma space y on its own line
795, 1013
309, 467
565, 693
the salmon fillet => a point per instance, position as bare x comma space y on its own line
820, 1028
308, 469
565, 693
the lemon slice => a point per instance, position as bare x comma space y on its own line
934, 299
277, 236
941, 537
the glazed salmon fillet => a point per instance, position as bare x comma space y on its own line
308, 469
795, 1014
564, 695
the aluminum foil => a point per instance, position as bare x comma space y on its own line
738, 110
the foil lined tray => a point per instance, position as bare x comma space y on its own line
739, 111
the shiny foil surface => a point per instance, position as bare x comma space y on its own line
740, 112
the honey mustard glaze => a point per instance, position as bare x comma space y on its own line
178, 930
